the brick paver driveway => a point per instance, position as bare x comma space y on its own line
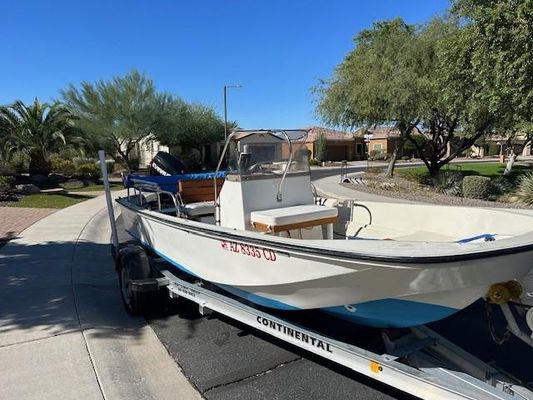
15, 220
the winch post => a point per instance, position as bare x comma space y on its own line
107, 191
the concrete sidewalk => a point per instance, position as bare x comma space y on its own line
63, 331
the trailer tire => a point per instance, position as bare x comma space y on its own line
133, 264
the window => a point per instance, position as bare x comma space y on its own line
377, 146
359, 148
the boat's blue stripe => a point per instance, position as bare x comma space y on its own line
254, 298
385, 313
163, 255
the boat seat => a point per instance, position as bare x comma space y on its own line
295, 217
199, 208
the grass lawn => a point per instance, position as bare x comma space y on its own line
489, 169
50, 200
98, 187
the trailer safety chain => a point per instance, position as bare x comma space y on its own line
490, 324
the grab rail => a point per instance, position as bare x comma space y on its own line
287, 166
151, 187
216, 198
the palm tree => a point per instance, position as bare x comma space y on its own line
37, 130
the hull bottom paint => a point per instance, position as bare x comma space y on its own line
391, 313
386, 313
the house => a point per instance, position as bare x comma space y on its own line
339, 145
146, 149
495, 145
379, 140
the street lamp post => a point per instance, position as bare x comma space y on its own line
226, 108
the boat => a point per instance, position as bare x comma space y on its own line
258, 230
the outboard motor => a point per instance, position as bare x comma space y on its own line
166, 164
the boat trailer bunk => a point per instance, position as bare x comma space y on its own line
421, 363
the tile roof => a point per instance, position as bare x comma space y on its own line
379, 132
330, 134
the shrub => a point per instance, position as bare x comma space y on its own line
6, 168
88, 171
450, 183
20, 162
501, 185
477, 187
374, 153
409, 148
414, 174
313, 162
405, 158
6, 183
72, 184
321, 147
70, 153
63, 166
373, 170
493, 149
524, 192
79, 161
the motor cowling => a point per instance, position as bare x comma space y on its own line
165, 164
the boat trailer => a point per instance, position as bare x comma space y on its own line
421, 363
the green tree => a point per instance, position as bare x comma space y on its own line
189, 125
118, 114
494, 52
379, 82
37, 130
439, 120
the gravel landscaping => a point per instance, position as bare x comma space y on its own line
404, 189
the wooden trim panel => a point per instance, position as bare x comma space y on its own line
289, 227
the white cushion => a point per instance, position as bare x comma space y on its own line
200, 208
292, 215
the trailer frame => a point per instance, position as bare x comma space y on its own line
444, 370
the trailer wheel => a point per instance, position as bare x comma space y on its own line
133, 264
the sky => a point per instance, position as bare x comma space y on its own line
278, 50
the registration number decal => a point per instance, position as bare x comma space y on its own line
249, 250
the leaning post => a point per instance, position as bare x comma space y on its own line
110, 212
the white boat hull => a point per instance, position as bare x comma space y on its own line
353, 283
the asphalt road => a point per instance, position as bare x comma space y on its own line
226, 360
